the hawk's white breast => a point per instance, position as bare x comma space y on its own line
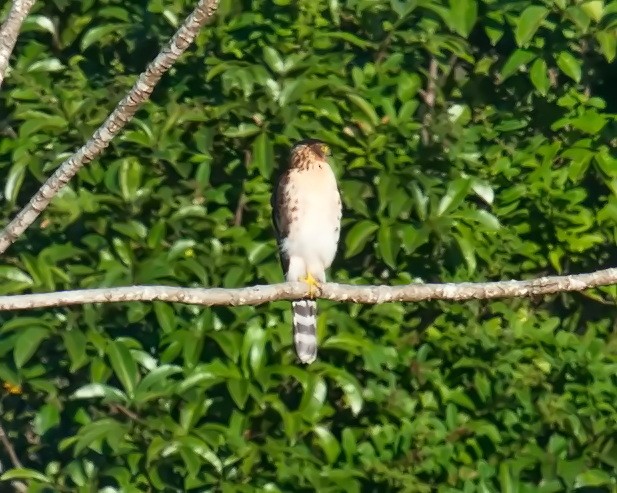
315, 228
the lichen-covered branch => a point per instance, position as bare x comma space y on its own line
256, 295
122, 114
10, 30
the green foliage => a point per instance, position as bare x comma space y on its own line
474, 140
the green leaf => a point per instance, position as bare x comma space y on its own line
484, 190
352, 390
47, 65
539, 76
608, 44
15, 274
97, 390
27, 343
569, 65
229, 343
485, 218
263, 155
421, 201
349, 443
239, 391
201, 448
519, 58
412, 238
242, 130
454, 196
22, 473
505, 479
14, 181
93, 434
273, 59
352, 343
18, 323
358, 236
129, 176
191, 460
528, 23
165, 316
593, 478
47, 417
579, 17
328, 443
408, 86
388, 245
253, 348
40, 22
99, 33
590, 122
467, 247
75, 343
463, 16
594, 9
365, 107
158, 377
156, 384
494, 26
315, 392
123, 365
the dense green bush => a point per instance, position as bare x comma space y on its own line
474, 140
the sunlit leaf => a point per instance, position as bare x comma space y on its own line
528, 23
27, 344
124, 365
569, 65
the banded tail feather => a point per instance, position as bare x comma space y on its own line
305, 329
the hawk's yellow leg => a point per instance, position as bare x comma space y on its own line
313, 285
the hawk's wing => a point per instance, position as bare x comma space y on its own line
280, 219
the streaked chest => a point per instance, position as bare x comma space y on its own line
313, 199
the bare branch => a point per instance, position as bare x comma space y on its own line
10, 450
10, 30
256, 295
8, 446
122, 114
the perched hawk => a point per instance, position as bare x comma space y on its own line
306, 212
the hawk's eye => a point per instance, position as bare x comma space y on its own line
325, 149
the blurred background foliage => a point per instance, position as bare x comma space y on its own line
474, 140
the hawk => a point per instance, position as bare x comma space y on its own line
306, 212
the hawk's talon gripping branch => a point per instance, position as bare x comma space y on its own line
314, 286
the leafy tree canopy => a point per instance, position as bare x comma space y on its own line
473, 140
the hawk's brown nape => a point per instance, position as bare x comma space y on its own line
307, 153
315, 146
319, 148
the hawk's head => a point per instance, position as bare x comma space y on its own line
308, 151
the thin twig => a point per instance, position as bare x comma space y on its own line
256, 295
118, 408
429, 96
122, 114
239, 213
8, 446
10, 30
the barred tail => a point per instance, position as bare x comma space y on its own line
305, 329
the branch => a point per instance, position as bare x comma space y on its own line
122, 114
256, 295
10, 450
8, 446
10, 30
